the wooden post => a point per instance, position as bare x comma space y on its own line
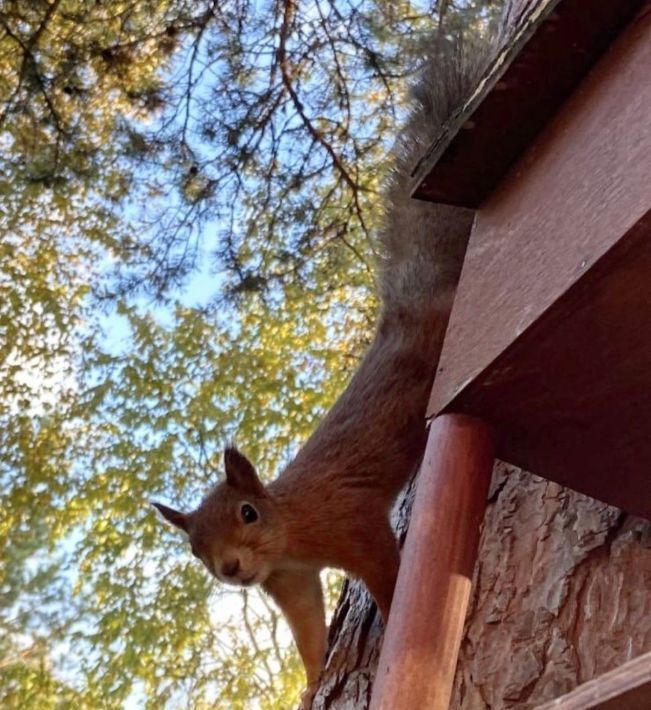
421, 643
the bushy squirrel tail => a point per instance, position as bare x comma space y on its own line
370, 442
422, 244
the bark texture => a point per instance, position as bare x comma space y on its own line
562, 593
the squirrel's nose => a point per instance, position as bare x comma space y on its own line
230, 568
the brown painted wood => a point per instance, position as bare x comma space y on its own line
550, 334
625, 688
419, 652
571, 397
513, 15
551, 46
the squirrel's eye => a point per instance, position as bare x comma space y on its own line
249, 513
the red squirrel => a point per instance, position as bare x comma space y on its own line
330, 506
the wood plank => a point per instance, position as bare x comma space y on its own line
575, 193
550, 49
625, 688
421, 642
550, 334
570, 398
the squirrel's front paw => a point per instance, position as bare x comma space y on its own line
308, 696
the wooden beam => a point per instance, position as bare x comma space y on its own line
625, 688
549, 52
549, 337
421, 643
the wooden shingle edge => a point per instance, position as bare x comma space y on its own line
552, 48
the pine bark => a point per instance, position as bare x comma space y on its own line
561, 594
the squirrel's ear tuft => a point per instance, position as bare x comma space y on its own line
173, 516
240, 473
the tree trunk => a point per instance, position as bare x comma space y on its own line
561, 594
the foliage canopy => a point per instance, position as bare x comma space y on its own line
188, 195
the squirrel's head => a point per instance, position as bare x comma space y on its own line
237, 531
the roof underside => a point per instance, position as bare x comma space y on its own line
554, 46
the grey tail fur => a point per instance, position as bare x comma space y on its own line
373, 436
422, 244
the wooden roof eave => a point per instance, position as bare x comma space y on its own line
552, 48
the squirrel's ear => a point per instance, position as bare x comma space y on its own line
240, 473
173, 516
